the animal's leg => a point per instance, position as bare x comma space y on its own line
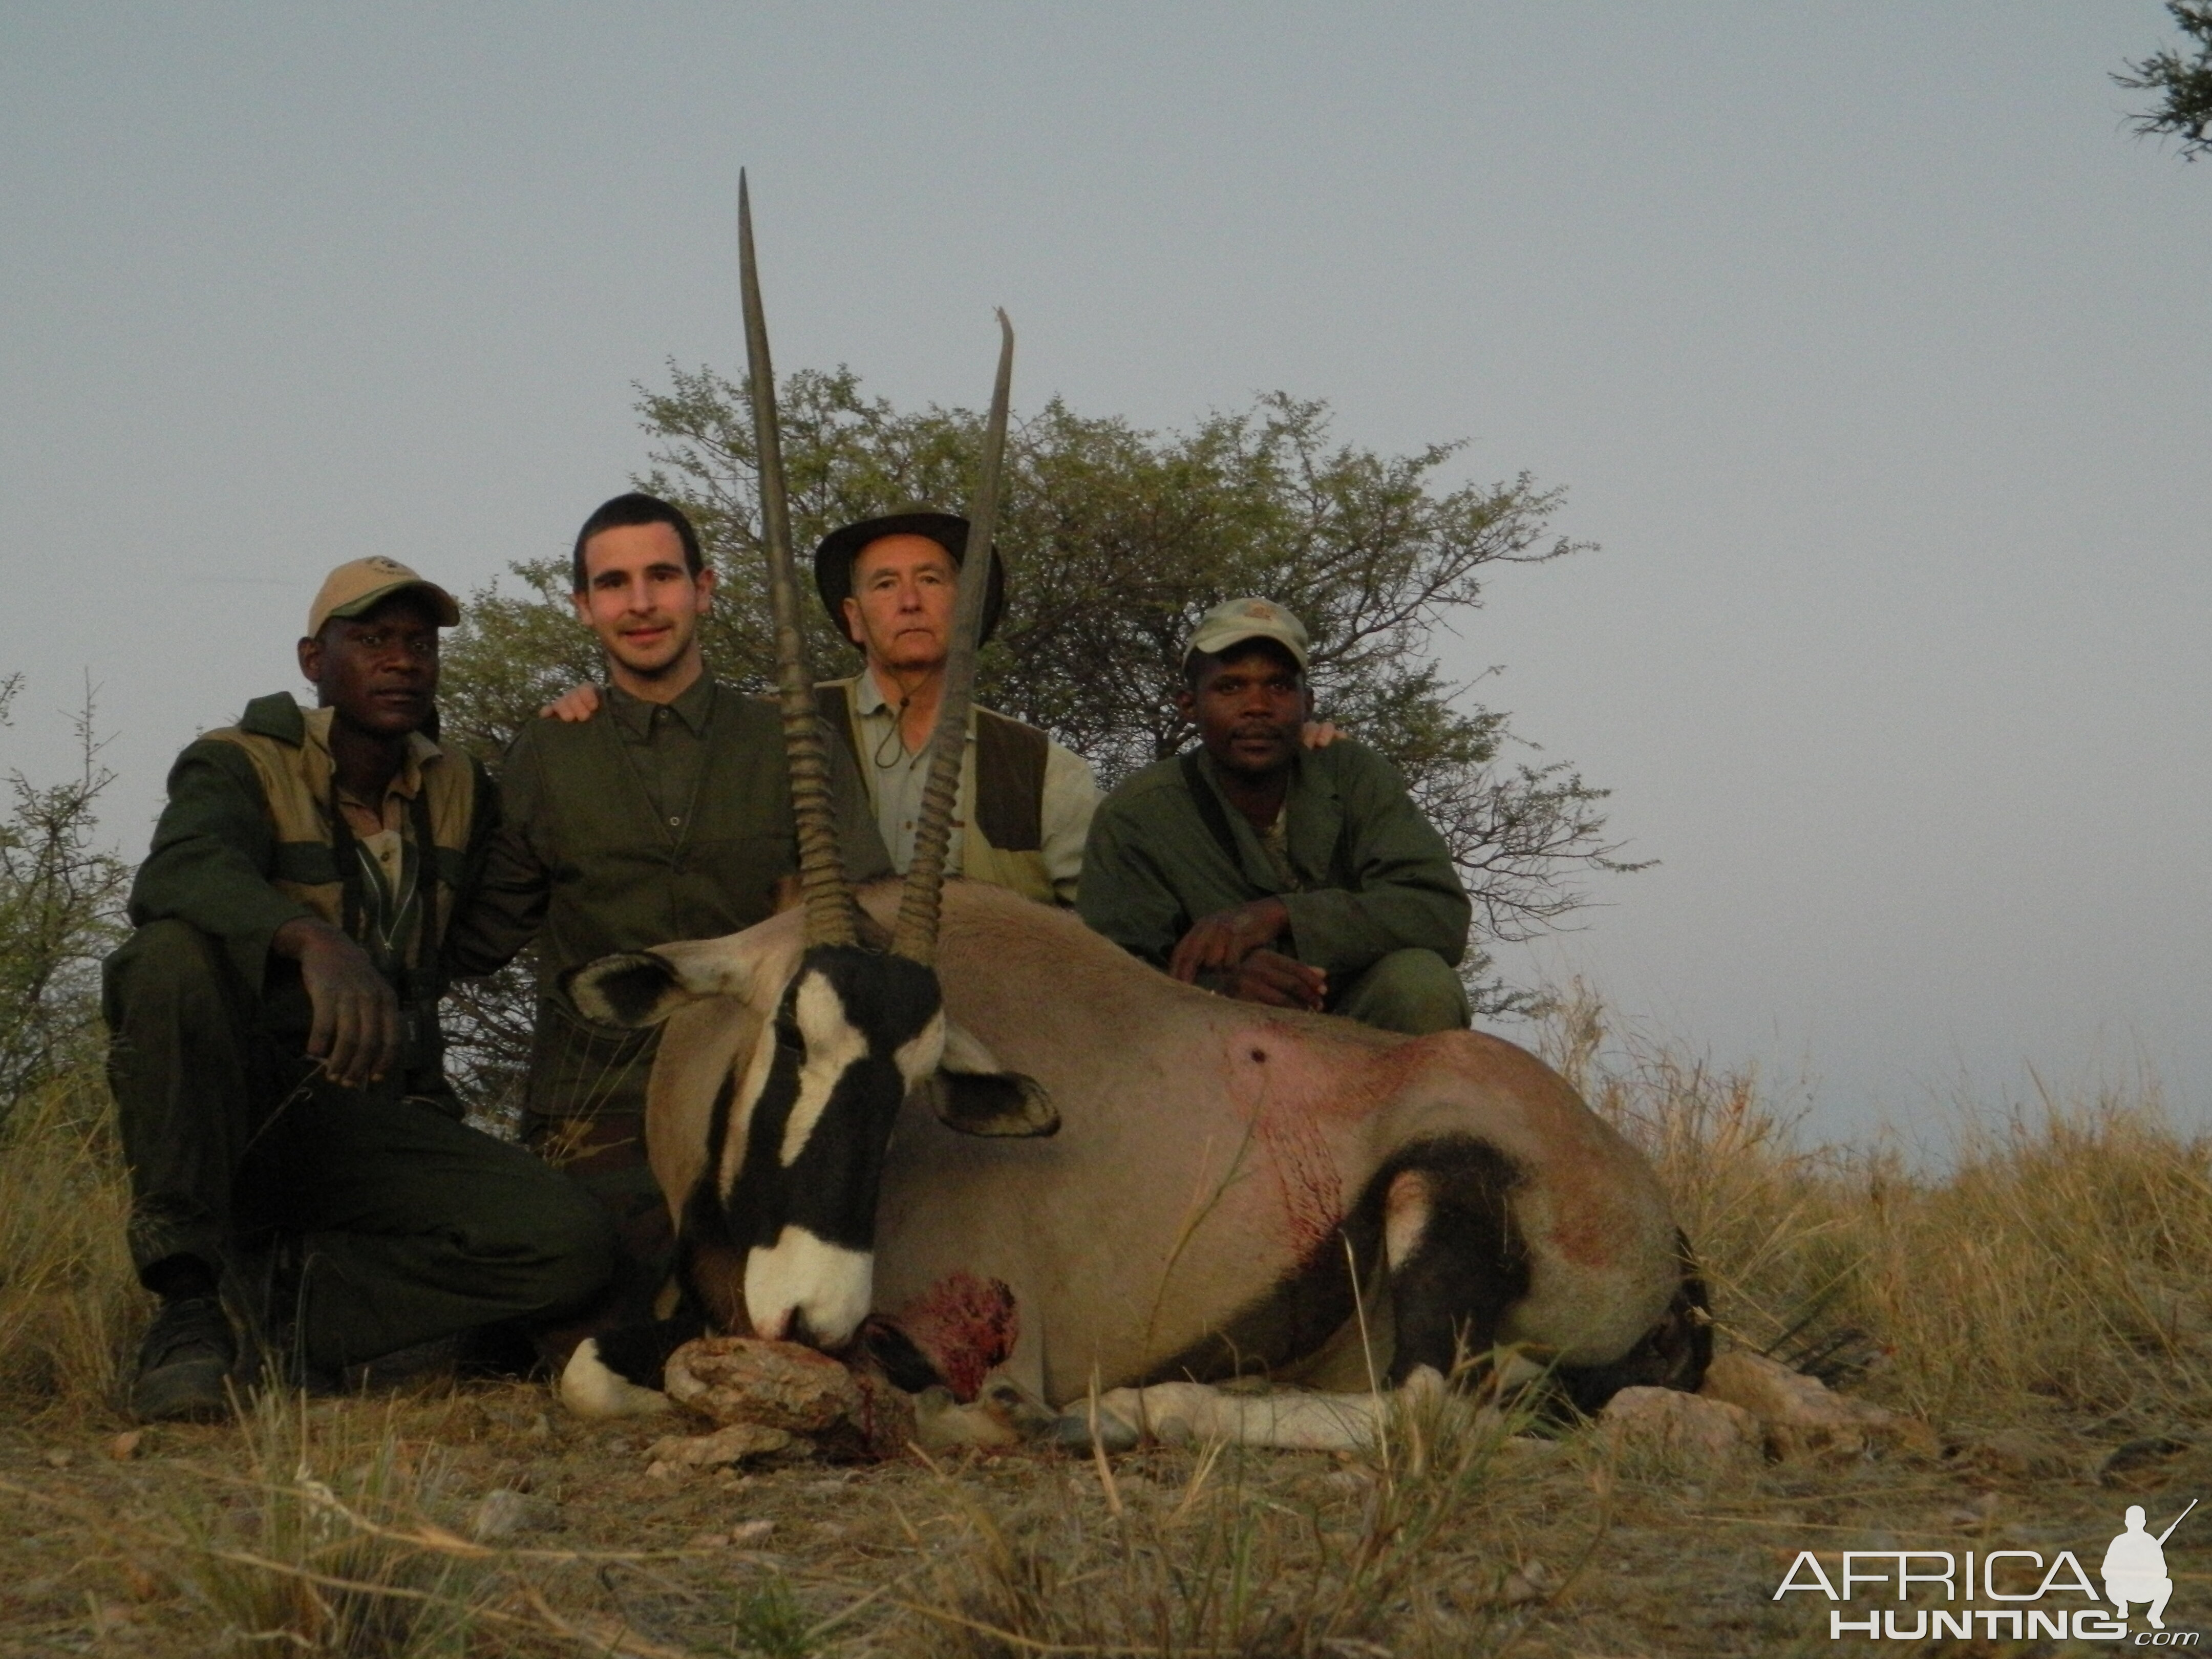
1456, 1262
618, 1373
1287, 1420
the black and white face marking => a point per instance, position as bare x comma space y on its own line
802, 1150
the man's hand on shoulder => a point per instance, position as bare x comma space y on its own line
1313, 734
574, 706
356, 1032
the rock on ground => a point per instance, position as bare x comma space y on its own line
1802, 1418
1681, 1425
795, 1391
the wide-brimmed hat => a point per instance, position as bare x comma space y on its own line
359, 586
833, 560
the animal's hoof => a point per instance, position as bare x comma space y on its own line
1073, 1433
595, 1390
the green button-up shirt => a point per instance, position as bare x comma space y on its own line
1371, 874
645, 824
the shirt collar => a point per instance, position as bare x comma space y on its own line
869, 699
419, 752
692, 706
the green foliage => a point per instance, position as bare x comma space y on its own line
769, 1621
2185, 84
1117, 539
61, 901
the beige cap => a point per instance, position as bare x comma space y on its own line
361, 585
1248, 619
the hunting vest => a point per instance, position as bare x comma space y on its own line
317, 850
1001, 784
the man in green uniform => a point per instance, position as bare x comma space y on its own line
662, 813
275, 1048
1025, 804
1294, 877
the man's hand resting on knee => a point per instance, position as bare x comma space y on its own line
355, 1033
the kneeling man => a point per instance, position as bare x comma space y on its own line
1297, 877
274, 1044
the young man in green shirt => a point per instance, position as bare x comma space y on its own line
275, 1049
660, 812
1295, 877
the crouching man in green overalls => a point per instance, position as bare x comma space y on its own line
275, 1049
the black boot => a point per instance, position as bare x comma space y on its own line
183, 1362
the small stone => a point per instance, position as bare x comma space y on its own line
748, 1532
504, 1512
125, 1446
60, 1457
2015, 1454
1532, 1581
777, 1385
734, 1442
2137, 1463
1669, 1421
1804, 1417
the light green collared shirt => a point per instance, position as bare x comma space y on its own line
896, 779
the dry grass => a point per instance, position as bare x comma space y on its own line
2041, 1297
70, 1304
2060, 1260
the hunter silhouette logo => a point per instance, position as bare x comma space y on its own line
2034, 1598
2135, 1566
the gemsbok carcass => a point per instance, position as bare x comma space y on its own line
1003, 1146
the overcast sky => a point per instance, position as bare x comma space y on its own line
1875, 354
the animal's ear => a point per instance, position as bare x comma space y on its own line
634, 987
643, 988
991, 1104
971, 1092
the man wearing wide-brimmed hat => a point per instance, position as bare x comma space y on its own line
1025, 803
294, 1149
1274, 871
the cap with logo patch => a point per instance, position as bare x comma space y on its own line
1236, 620
359, 586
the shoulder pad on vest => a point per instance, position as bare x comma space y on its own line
276, 715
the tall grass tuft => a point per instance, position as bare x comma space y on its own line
2059, 1260
319, 1547
1239, 1557
70, 1304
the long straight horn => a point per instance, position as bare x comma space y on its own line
915, 933
821, 866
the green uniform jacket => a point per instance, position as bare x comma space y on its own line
1374, 875
244, 845
583, 854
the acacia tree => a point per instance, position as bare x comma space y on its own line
1116, 540
2185, 84
61, 910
